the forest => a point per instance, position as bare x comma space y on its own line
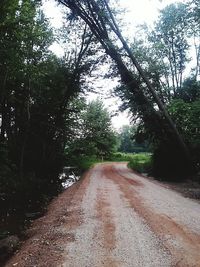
46, 121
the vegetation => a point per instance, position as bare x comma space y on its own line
164, 56
44, 120
141, 162
120, 157
95, 140
128, 143
39, 102
83, 163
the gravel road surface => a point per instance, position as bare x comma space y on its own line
115, 218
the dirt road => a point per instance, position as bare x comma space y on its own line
115, 218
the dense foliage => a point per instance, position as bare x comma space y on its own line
128, 143
141, 162
95, 137
37, 108
165, 55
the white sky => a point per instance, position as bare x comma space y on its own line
137, 12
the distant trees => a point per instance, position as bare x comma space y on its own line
95, 136
127, 140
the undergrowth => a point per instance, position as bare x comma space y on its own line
141, 162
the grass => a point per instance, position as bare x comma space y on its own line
119, 156
141, 162
86, 162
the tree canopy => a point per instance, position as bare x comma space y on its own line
37, 95
95, 135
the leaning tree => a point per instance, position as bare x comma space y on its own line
98, 15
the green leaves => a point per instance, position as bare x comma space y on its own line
186, 116
96, 137
36, 92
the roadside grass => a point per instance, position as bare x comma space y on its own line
141, 162
86, 162
119, 156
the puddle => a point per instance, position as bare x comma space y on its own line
14, 221
69, 176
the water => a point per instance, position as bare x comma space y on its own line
15, 221
69, 176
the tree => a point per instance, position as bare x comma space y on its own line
100, 19
193, 18
186, 115
96, 137
37, 93
190, 90
26, 38
171, 36
128, 142
126, 139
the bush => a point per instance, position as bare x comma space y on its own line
170, 164
120, 157
83, 162
141, 162
186, 116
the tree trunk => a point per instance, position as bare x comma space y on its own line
149, 86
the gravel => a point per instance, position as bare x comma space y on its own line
134, 244
165, 201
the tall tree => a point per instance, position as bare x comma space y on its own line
100, 19
127, 141
95, 134
36, 93
171, 33
193, 18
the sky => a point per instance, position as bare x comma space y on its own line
137, 12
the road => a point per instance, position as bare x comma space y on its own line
115, 218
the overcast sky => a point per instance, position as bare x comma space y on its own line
137, 12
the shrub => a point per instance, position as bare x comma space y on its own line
118, 156
141, 162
